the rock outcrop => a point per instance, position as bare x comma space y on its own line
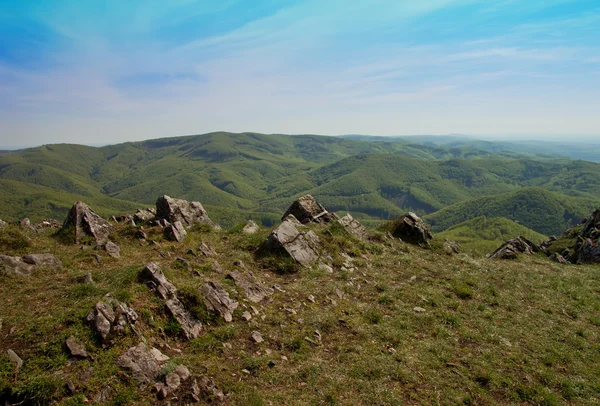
155, 279
512, 248
110, 318
175, 232
410, 228
293, 240
26, 265
188, 213
252, 288
353, 226
86, 223
144, 215
306, 209
142, 363
216, 299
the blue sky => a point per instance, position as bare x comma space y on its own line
108, 71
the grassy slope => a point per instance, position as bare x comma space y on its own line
493, 332
483, 235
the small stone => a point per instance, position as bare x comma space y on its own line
311, 298
112, 249
15, 359
70, 387
227, 346
271, 364
183, 372
162, 393
206, 250
98, 258
216, 267
76, 348
257, 337
246, 316
254, 310
250, 228
418, 309
87, 279
173, 380
326, 268
284, 358
184, 263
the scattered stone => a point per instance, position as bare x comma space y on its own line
418, 309
15, 359
216, 267
105, 395
512, 248
324, 267
216, 299
311, 298
257, 337
184, 263
207, 251
353, 227
87, 374
47, 224
76, 348
142, 363
141, 234
250, 228
3, 223
110, 318
306, 209
70, 387
188, 213
112, 249
98, 258
173, 381
559, 258
26, 265
412, 229
253, 289
304, 247
207, 388
26, 224
175, 232
84, 222
246, 316
161, 391
144, 215
154, 277
183, 372
452, 247
87, 279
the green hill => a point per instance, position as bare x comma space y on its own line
483, 235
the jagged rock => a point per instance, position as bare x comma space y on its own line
591, 227
250, 228
589, 252
144, 215
253, 289
110, 318
216, 299
188, 213
512, 248
207, 388
353, 226
142, 363
86, 223
15, 359
546, 243
88, 278
303, 246
26, 265
257, 337
306, 209
451, 247
175, 232
184, 263
141, 234
412, 229
207, 251
153, 276
112, 249
558, 258
76, 348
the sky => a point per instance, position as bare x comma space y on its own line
99, 72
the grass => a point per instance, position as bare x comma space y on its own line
493, 332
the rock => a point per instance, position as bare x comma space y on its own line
105, 395
246, 316
451, 247
154, 278
143, 363
3, 223
188, 213
256, 337
48, 224
418, 309
183, 372
253, 289
110, 318
84, 222
207, 251
547, 242
161, 392
173, 380
412, 229
324, 267
250, 228
558, 258
512, 248
304, 247
26, 224
76, 348
353, 227
311, 298
184, 263
112, 249
70, 387
87, 279
141, 234
15, 359
175, 232
216, 267
144, 215
216, 299
26, 265
306, 209
206, 387
591, 226
589, 252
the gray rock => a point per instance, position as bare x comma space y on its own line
184, 263
144, 215
154, 277
84, 222
206, 250
207, 388
216, 267
26, 224
15, 359
412, 229
452, 247
76, 348
173, 380
109, 318
353, 227
88, 278
558, 258
112, 249
306, 209
589, 252
246, 316
250, 228
257, 337
183, 372
26, 265
512, 248
48, 224
175, 232
303, 246
188, 213
216, 299
142, 363
3, 223
105, 395
252, 288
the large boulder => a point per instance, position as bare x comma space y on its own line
410, 228
154, 278
306, 209
293, 240
216, 299
86, 223
188, 213
26, 265
110, 318
142, 363
353, 226
512, 248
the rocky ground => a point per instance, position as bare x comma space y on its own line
164, 307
